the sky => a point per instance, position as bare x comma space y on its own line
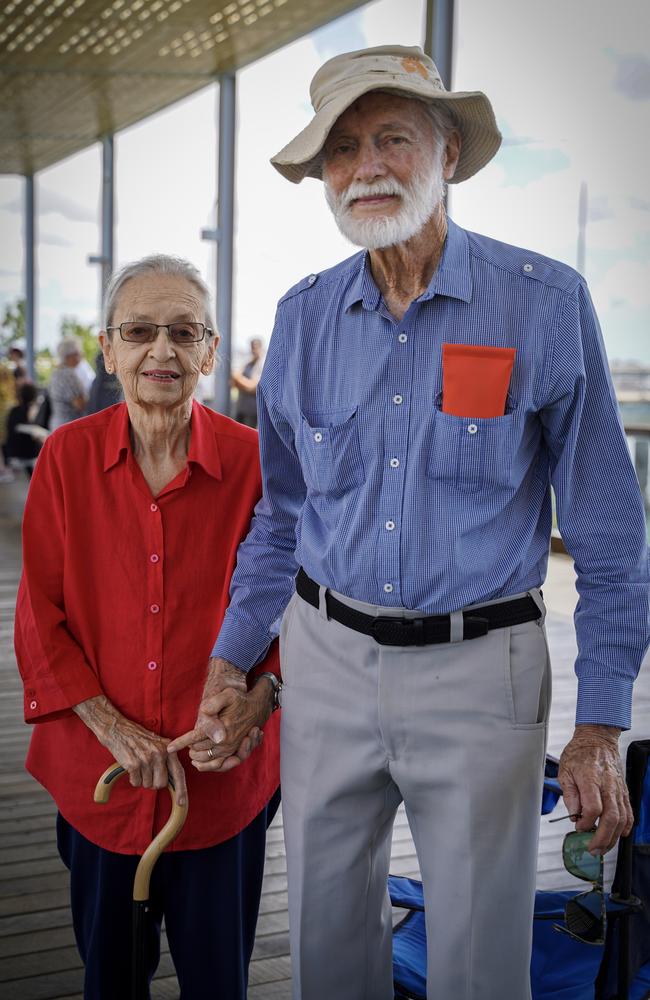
570, 84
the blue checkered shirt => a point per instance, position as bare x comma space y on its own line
381, 496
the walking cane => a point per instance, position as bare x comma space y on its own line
171, 829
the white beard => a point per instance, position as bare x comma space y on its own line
420, 199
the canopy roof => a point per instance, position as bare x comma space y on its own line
72, 71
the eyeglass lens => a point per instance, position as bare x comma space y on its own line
585, 916
179, 333
577, 858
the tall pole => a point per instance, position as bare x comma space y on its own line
108, 212
583, 212
439, 37
225, 236
105, 259
30, 272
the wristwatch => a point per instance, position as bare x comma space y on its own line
276, 684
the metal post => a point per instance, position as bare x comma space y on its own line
30, 271
105, 259
108, 212
225, 245
439, 36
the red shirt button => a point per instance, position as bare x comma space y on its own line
152, 665
153, 508
154, 558
155, 608
33, 705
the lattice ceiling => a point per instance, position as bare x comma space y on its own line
74, 70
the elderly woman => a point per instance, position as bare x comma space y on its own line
131, 530
67, 394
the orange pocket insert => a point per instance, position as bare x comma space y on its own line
475, 379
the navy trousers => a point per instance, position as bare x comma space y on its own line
209, 899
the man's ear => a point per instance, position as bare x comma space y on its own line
451, 155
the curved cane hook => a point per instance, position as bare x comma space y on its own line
169, 832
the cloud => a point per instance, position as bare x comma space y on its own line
49, 202
639, 203
632, 77
626, 283
522, 164
343, 35
51, 239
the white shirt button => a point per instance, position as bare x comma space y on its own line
312, 278
403, 337
152, 665
318, 437
397, 400
394, 463
472, 429
390, 526
388, 588
153, 508
33, 705
528, 268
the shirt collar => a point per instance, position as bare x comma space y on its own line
452, 276
204, 448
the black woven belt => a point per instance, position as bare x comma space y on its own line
421, 631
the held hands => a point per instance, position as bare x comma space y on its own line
593, 785
228, 725
144, 754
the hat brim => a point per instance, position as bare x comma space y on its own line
480, 136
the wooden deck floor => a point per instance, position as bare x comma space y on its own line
38, 958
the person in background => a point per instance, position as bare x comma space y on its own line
105, 389
246, 382
126, 573
67, 396
25, 435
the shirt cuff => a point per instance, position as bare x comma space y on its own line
45, 701
604, 701
241, 643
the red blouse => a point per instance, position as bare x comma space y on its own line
122, 594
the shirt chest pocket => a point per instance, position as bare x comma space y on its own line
330, 451
471, 453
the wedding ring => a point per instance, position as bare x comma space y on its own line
210, 754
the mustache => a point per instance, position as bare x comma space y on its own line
358, 189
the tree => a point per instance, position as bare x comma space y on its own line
12, 325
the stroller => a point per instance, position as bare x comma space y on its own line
562, 966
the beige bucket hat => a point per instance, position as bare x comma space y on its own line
399, 69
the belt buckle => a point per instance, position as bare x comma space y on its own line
474, 626
383, 631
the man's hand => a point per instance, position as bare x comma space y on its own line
143, 754
228, 725
593, 785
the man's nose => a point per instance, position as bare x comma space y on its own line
370, 164
161, 348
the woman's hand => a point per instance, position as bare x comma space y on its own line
229, 721
140, 752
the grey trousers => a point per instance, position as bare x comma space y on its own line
458, 732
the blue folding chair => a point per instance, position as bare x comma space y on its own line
561, 967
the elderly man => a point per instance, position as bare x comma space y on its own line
418, 402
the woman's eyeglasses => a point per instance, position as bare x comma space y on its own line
146, 333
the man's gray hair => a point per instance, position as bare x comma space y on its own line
156, 263
443, 118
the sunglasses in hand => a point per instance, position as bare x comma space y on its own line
585, 916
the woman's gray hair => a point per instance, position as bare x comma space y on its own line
69, 345
157, 263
